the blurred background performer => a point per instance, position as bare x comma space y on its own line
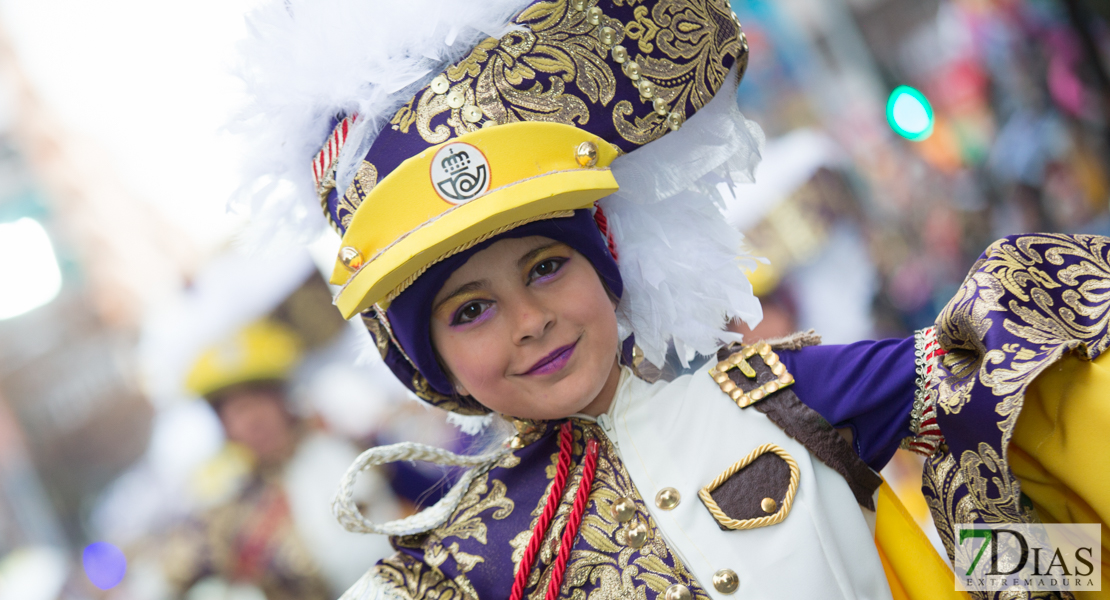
274, 530
252, 519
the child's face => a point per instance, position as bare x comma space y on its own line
527, 328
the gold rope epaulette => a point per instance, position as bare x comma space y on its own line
739, 359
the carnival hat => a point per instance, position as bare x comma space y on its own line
452, 124
263, 351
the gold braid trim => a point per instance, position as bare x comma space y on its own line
404, 285
773, 519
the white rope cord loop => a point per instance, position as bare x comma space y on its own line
772, 519
348, 515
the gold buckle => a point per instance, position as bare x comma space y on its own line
739, 359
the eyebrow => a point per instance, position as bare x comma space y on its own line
462, 289
481, 283
534, 252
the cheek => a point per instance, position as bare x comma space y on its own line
592, 309
471, 357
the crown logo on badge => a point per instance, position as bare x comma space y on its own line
460, 173
455, 163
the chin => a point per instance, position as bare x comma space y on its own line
579, 391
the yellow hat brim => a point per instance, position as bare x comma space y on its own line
535, 174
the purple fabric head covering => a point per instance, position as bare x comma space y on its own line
410, 313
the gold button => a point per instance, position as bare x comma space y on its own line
769, 505
726, 581
456, 99
579, 5
586, 154
623, 510
594, 15
471, 113
637, 535
660, 106
647, 88
350, 257
677, 592
667, 498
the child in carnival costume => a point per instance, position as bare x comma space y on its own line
525, 193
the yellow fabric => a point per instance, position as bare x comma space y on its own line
913, 568
533, 171
260, 351
1059, 449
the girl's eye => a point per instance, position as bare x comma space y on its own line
546, 267
469, 312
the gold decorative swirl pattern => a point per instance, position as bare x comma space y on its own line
601, 566
1026, 303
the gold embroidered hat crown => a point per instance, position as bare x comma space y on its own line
523, 127
479, 117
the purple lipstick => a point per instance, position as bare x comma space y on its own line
553, 362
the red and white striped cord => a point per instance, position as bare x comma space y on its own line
927, 436
324, 160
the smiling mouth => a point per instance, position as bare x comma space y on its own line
553, 362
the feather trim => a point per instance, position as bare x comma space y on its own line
680, 261
305, 62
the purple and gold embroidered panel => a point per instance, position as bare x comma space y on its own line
1028, 301
474, 555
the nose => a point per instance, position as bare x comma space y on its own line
531, 318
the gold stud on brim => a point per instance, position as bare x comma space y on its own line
586, 154
350, 257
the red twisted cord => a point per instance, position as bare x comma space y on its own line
540, 531
571, 532
603, 226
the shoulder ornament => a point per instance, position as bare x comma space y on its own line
739, 360
764, 381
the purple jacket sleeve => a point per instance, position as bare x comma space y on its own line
866, 386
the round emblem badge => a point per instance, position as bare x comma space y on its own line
460, 173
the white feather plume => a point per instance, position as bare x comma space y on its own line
305, 61
680, 261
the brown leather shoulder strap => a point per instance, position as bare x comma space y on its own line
804, 424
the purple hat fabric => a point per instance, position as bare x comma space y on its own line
561, 67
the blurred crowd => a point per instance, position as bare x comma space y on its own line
182, 438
